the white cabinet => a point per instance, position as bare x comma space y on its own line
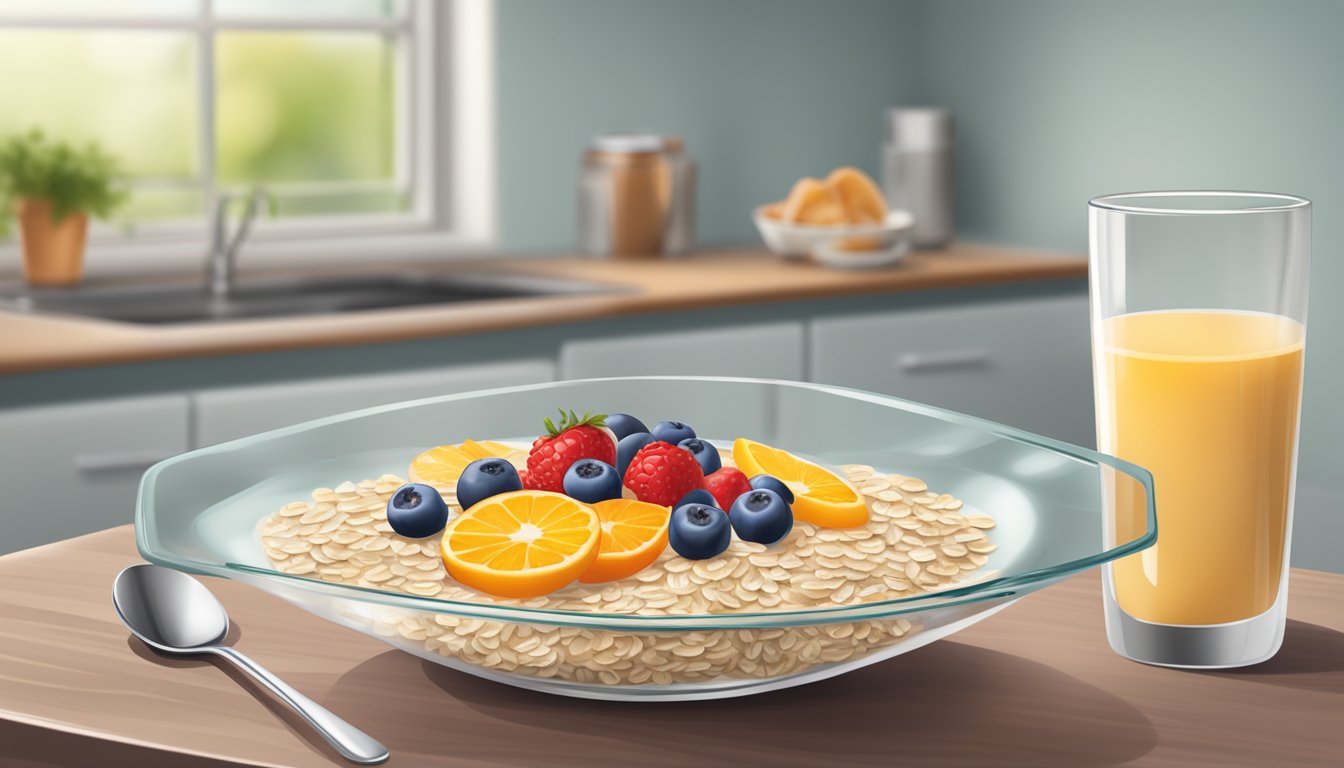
74, 468
228, 413
768, 351
1025, 363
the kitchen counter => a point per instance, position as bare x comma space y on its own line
709, 279
1035, 685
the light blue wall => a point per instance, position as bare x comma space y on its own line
763, 91
1056, 101
1061, 100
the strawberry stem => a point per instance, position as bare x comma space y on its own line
569, 420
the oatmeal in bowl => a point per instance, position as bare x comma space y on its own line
606, 558
915, 541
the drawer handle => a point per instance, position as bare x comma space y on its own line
128, 461
912, 362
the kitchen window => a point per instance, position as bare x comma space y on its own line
346, 111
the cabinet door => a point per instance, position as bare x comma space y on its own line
770, 351
72, 469
1025, 363
233, 412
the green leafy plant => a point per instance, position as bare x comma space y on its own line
73, 179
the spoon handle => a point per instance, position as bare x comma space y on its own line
352, 743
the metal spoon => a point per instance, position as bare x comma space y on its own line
174, 613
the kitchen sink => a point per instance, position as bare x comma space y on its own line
258, 298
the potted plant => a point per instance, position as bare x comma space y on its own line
52, 187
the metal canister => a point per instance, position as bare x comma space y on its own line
917, 171
636, 196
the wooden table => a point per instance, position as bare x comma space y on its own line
1035, 685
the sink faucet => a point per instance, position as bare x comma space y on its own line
223, 255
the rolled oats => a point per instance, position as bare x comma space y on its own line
915, 542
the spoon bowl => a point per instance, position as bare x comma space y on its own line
176, 614
169, 610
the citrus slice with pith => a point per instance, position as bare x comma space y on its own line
443, 465
634, 534
522, 543
820, 496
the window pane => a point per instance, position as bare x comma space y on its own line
323, 9
120, 8
304, 107
132, 92
163, 202
365, 201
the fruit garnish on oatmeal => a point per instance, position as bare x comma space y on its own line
638, 526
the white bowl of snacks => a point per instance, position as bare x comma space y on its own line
841, 221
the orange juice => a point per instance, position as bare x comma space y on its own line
1207, 400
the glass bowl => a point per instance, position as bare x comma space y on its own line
203, 512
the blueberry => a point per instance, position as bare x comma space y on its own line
624, 425
698, 496
699, 531
762, 516
772, 483
484, 478
672, 432
706, 454
628, 447
416, 511
591, 481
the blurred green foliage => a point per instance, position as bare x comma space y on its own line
304, 107
73, 178
291, 107
133, 92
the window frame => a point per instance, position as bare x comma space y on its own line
445, 154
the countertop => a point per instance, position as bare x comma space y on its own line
707, 279
1034, 685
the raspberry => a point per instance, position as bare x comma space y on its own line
661, 473
726, 485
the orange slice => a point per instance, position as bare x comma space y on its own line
820, 496
863, 201
442, 466
814, 203
634, 534
521, 544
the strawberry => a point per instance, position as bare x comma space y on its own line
662, 473
726, 485
575, 438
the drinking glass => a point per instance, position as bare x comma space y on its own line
1199, 312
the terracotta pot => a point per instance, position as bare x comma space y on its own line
53, 251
